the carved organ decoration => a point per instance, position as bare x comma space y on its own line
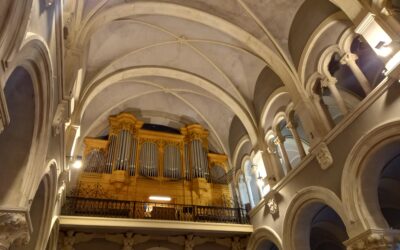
135, 163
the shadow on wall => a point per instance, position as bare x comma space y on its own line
16, 139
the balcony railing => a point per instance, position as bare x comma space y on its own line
79, 206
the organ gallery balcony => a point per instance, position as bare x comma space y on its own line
142, 175
94, 207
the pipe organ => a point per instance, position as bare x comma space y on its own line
135, 163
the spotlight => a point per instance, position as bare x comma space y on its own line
77, 164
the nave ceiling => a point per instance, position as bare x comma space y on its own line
178, 62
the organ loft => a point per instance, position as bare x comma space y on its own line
137, 164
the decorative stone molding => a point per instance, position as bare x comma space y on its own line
273, 206
348, 58
323, 156
14, 229
4, 116
272, 203
188, 241
128, 240
70, 238
59, 117
375, 240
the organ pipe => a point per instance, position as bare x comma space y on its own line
148, 153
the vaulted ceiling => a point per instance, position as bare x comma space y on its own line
176, 62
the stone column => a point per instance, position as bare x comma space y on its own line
272, 167
277, 166
248, 187
323, 112
330, 82
349, 59
239, 196
14, 229
279, 140
375, 239
290, 125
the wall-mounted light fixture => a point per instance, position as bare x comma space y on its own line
381, 42
77, 163
375, 35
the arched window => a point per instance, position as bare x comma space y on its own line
149, 159
172, 162
250, 173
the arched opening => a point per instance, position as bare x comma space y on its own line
318, 227
289, 143
327, 230
369, 63
37, 214
378, 176
16, 139
389, 184
267, 245
346, 81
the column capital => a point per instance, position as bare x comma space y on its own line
375, 239
14, 229
279, 140
328, 81
348, 58
290, 124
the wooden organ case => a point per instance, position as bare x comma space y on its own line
134, 164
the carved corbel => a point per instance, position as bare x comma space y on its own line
59, 117
14, 229
271, 201
323, 156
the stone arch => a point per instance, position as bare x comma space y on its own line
41, 208
313, 41
298, 37
267, 83
237, 153
261, 234
34, 59
361, 173
301, 210
13, 28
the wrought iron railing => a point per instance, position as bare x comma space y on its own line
79, 206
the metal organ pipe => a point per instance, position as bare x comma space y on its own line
133, 158
110, 154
